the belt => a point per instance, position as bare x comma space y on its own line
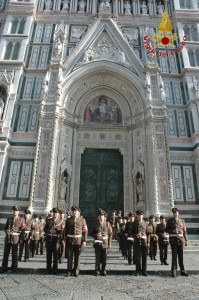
74, 236
130, 239
52, 234
15, 233
98, 241
153, 235
176, 235
27, 231
142, 237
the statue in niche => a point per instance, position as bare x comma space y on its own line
105, 5
140, 188
162, 94
148, 88
160, 9
63, 185
127, 8
57, 47
65, 5
82, 5
144, 8
48, 5
1, 107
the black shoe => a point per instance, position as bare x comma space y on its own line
14, 270
183, 273
103, 273
48, 271
19, 259
55, 272
162, 263
144, 274
155, 258
130, 262
166, 263
3, 270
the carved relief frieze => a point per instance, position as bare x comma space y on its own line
105, 48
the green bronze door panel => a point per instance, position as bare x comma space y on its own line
101, 182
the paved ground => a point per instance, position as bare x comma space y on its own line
31, 282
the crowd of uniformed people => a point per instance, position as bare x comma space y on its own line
63, 238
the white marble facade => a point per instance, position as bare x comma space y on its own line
54, 65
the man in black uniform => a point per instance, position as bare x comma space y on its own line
102, 234
53, 229
129, 238
12, 229
76, 235
163, 240
25, 236
141, 243
177, 237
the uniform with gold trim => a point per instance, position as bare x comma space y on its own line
25, 236
12, 229
76, 235
178, 238
53, 230
102, 234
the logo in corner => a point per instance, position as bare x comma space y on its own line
164, 38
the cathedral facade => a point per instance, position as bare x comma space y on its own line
93, 113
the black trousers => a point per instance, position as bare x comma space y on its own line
33, 247
40, 247
100, 258
73, 251
177, 252
24, 244
140, 250
7, 248
153, 248
52, 250
163, 251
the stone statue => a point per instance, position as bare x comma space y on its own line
48, 5
144, 8
57, 50
140, 188
127, 8
63, 185
65, 5
105, 4
88, 55
1, 107
162, 93
148, 87
82, 5
160, 9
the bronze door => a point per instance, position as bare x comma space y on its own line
101, 182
